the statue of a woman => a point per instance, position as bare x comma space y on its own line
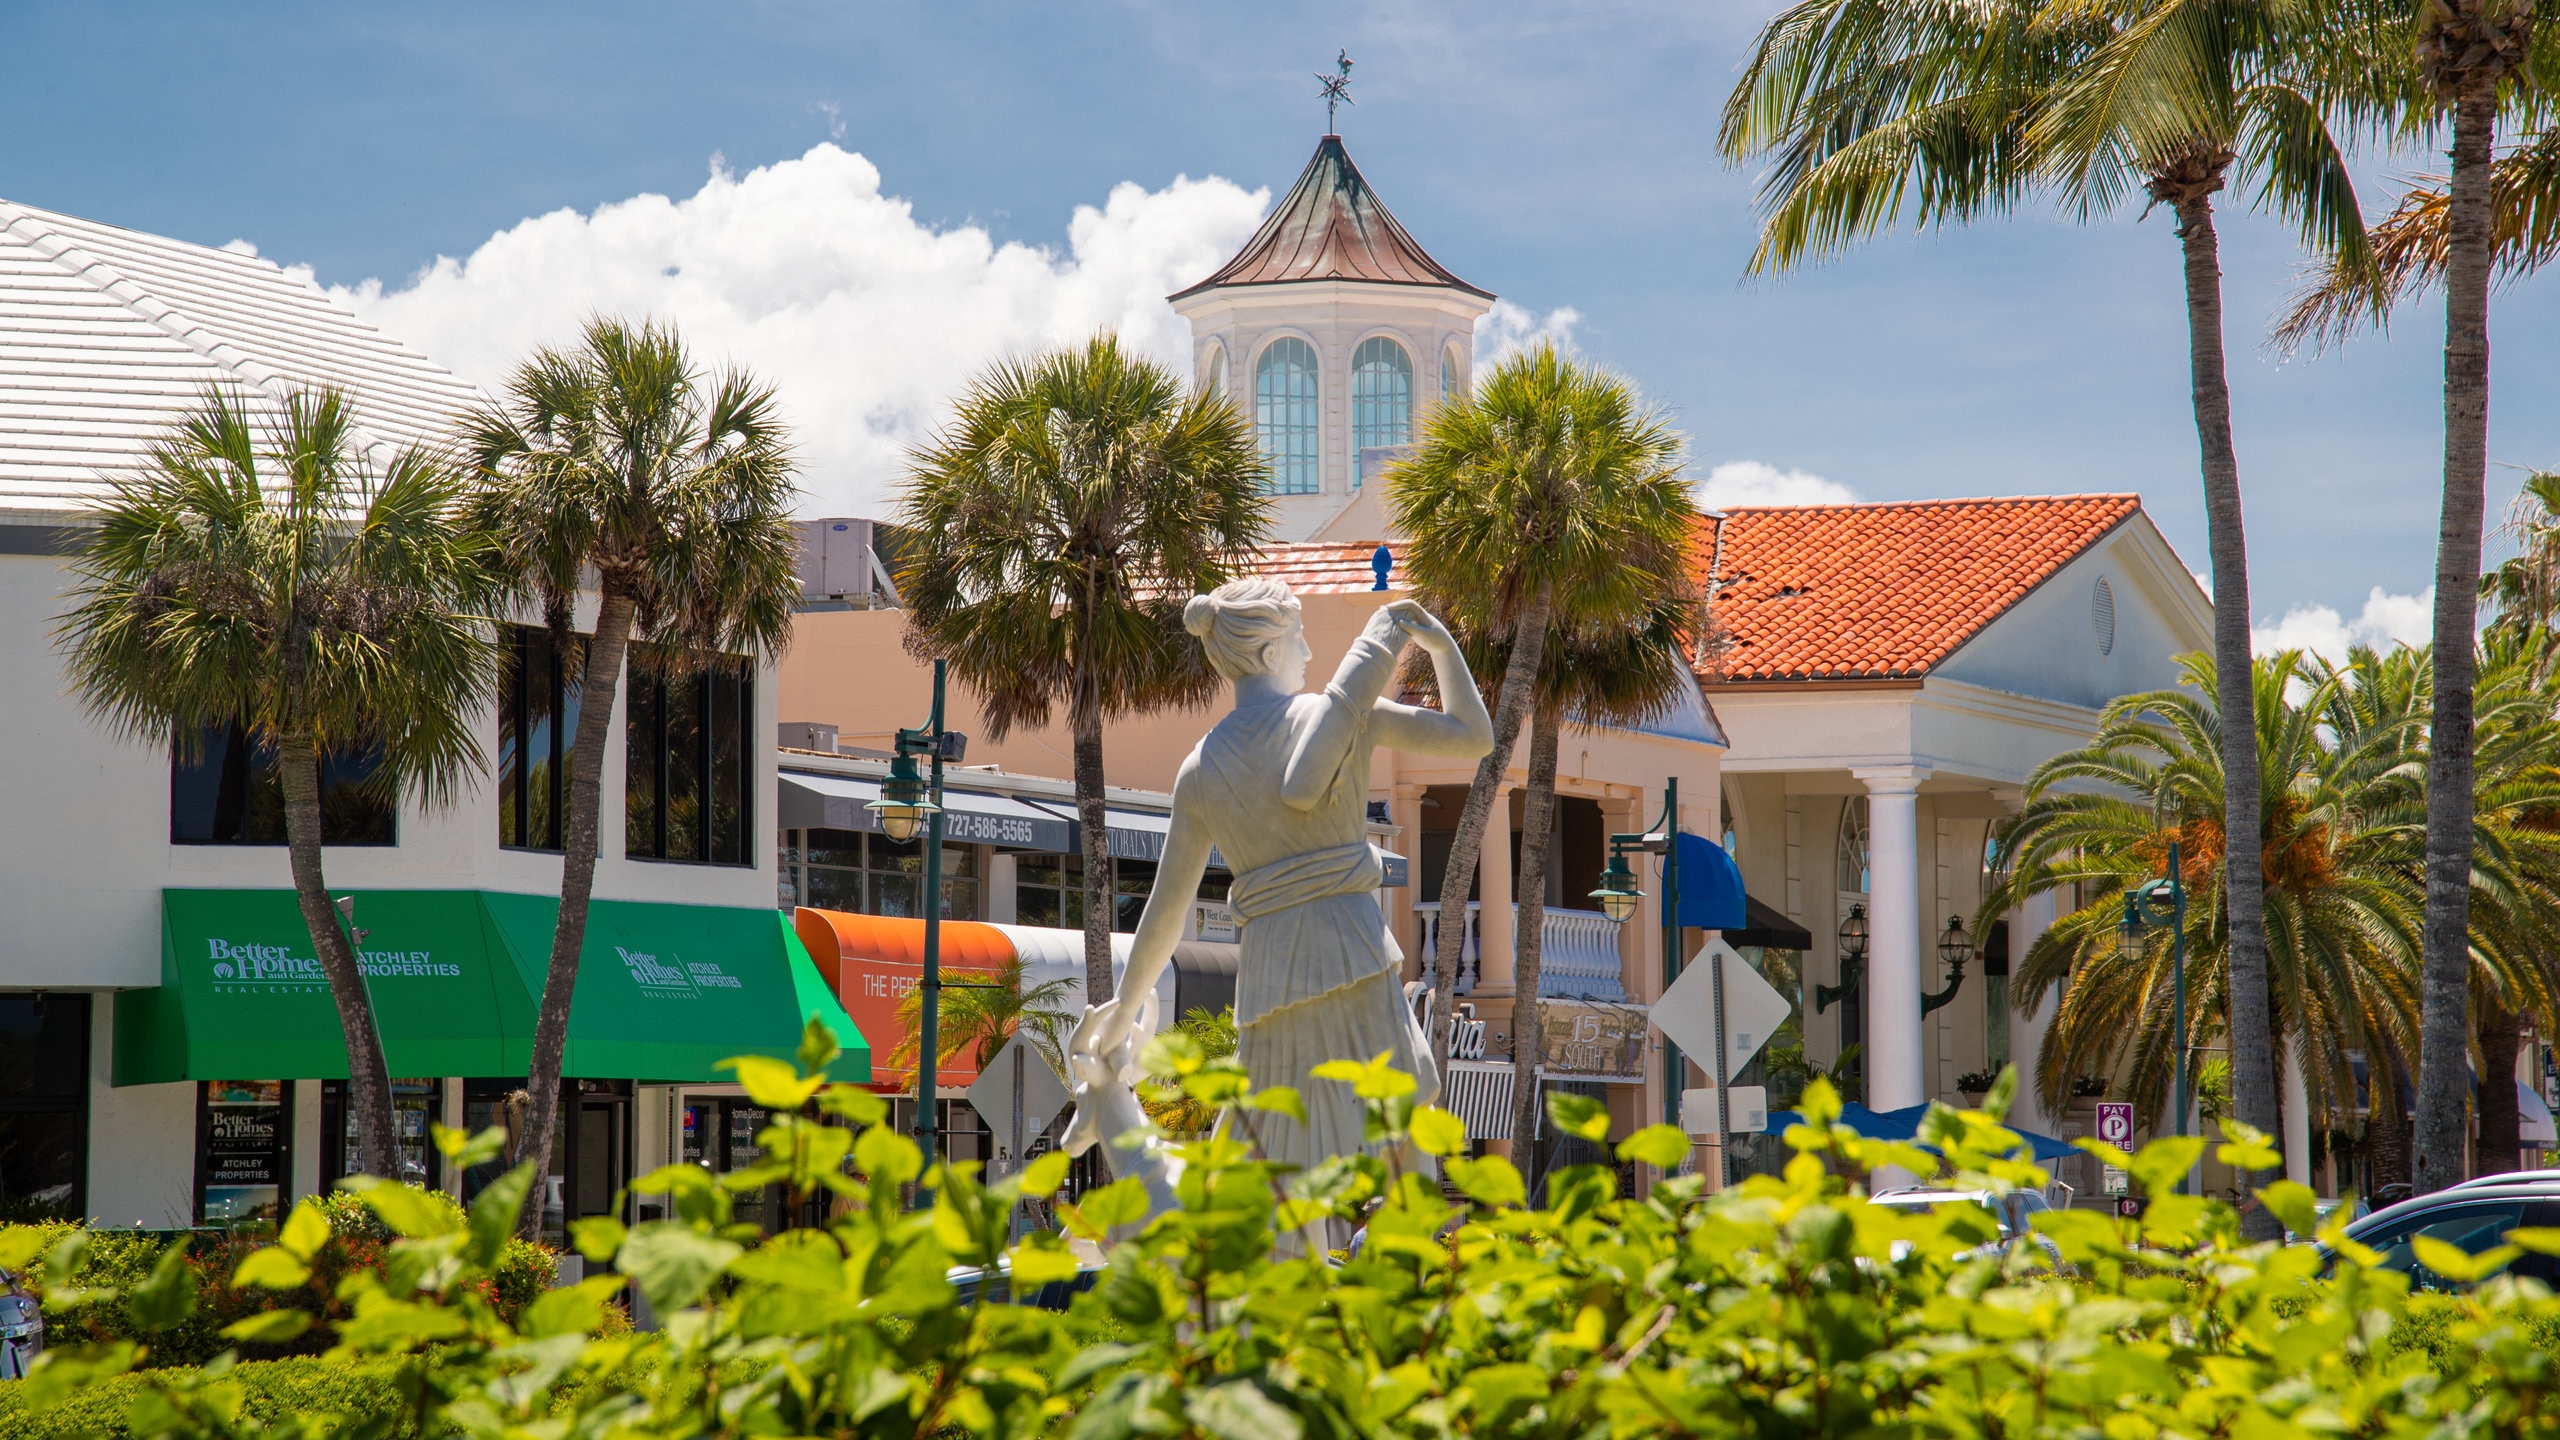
1280, 787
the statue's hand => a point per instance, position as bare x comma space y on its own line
1422, 625
1100, 1038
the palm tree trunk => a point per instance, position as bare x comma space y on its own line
368, 1077
2444, 986
2254, 1096
1537, 827
585, 806
1095, 821
2501, 1116
1466, 844
2386, 1127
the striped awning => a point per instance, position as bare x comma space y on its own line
1479, 1092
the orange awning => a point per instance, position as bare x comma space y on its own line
872, 961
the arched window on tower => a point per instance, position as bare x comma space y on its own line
1381, 399
1453, 373
1285, 415
1213, 370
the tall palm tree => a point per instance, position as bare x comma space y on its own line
1551, 497
981, 1017
1975, 109
1059, 522
2524, 589
621, 461
261, 572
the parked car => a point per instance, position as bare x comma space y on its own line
21, 1328
2472, 1217
2012, 1211
2549, 1178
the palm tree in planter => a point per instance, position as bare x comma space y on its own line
261, 572
982, 1015
1549, 501
1057, 526
622, 461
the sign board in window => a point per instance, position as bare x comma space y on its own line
1591, 1041
243, 1148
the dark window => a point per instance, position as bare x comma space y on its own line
416, 1104
685, 793
864, 874
231, 794
1049, 890
44, 1097
537, 730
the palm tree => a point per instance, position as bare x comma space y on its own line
619, 460
1978, 109
1060, 521
260, 572
2524, 590
2340, 915
982, 1016
1172, 1109
1549, 499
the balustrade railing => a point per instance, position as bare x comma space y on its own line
1577, 953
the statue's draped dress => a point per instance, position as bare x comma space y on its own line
1319, 977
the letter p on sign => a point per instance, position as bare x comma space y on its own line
2115, 1123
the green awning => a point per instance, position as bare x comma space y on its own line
665, 992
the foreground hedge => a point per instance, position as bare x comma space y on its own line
272, 1393
1786, 1307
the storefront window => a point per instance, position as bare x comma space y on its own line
244, 1150
228, 793
1049, 890
537, 730
720, 1136
44, 1088
590, 1147
690, 770
864, 874
415, 1104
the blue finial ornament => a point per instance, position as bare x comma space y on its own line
1381, 563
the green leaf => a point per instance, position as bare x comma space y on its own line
274, 1327
1040, 1259
2004, 1093
1092, 1360
1661, 1146
854, 1103
168, 1296
2540, 1239
463, 1150
796, 1260
2249, 1148
2294, 1204
1281, 1100
304, 1232
1044, 1175
1438, 1132
2456, 1264
271, 1267
405, 1208
772, 1083
1238, 1410
2161, 1165
673, 1264
494, 1212
570, 1310
597, 1237
1374, 1080
18, 1245
818, 1047
887, 1156
674, 1179
1579, 1115
1489, 1181
1172, 1053
1122, 1202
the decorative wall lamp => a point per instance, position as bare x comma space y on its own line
1853, 961
1955, 947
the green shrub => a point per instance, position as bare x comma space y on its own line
1787, 1306
273, 1392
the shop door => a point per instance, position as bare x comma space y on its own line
720, 1136
415, 1105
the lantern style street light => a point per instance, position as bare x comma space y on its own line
1853, 961
2150, 905
1618, 893
905, 801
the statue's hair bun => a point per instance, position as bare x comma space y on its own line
1200, 615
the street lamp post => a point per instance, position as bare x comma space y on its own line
2164, 902
1618, 894
906, 800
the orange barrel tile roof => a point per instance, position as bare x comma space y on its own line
1325, 567
1332, 226
1841, 592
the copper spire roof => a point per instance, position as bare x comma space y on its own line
1332, 226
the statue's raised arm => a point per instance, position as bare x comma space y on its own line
1280, 788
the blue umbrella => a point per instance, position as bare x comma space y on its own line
1903, 1124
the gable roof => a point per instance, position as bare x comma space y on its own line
109, 335
1851, 592
1331, 226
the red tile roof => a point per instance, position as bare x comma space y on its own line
1332, 226
1325, 568
1838, 592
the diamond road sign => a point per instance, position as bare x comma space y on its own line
1043, 1094
1686, 1012
2115, 1123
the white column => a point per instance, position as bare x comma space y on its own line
2027, 925
1893, 1057
2297, 1115
1493, 883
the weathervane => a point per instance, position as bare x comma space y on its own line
1337, 88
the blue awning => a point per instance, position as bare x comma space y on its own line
1710, 886
1904, 1123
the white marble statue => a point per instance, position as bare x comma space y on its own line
1280, 787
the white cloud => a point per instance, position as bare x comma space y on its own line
1507, 329
1749, 482
2385, 621
865, 319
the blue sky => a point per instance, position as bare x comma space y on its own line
1561, 155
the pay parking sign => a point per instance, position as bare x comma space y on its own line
2115, 1123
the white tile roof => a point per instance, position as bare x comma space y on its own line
108, 335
